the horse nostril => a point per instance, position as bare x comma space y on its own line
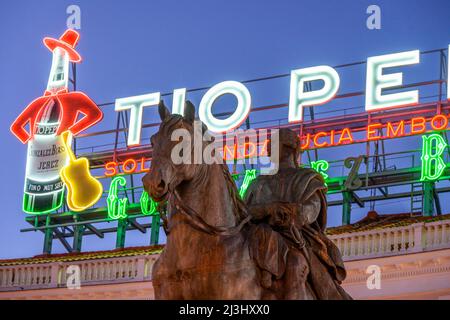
161, 185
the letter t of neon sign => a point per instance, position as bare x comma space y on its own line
136, 106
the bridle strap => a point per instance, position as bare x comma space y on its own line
197, 222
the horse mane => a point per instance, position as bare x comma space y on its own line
240, 209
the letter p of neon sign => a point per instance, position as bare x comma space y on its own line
299, 98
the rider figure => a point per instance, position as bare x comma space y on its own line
288, 242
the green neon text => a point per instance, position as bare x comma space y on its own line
433, 164
321, 166
148, 205
117, 208
250, 175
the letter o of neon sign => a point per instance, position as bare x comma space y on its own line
126, 164
240, 114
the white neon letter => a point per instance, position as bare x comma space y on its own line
179, 97
299, 98
243, 106
448, 73
376, 81
136, 104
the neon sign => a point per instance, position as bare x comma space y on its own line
249, 176
300, 98
376, 82
136, 106
417, 125
129, 166
83, 190
148, 205
240, 114
43, 121
117, 208
47, 117
433, 146
432, 168
321, 166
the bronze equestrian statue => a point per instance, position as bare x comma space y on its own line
217, 248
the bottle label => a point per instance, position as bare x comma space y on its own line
46, 157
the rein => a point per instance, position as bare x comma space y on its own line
197, 222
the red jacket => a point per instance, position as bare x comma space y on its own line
72, 103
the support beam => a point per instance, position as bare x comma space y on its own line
346, 207
94, 230
437, 202
48, 241
154, 237
399, 195
428, 198
60, 236
137, 225
357, 199
48, 237
77, 237
383, 191
121, 232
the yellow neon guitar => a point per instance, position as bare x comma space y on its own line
83, 190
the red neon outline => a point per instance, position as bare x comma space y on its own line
264, 151
390, 128
67, 42
443, 117
143, 168
125, 165
318, 135
113, 169
370, 131
343, 138
306, 144
252, 153
72, 103
423, 123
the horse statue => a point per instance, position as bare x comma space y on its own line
218, 247
207, 252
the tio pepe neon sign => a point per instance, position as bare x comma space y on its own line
376, 82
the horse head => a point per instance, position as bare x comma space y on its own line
166, 173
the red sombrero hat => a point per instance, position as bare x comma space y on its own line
67, 41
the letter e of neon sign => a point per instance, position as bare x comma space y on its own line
376, 81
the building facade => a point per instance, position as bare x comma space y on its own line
386, 257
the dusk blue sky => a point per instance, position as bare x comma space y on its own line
136, 47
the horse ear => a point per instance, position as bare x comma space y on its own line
163, 111
189, 112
